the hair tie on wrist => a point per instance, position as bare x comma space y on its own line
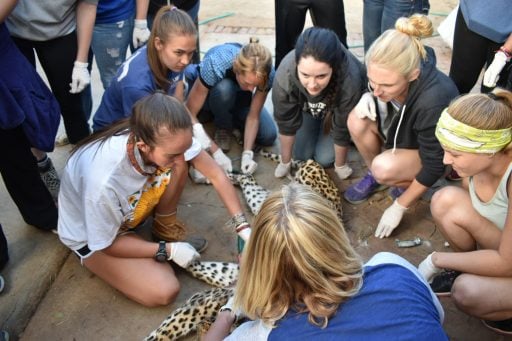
493, 96
508, 54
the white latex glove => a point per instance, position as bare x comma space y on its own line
245, 234
248, 164
282, 169
80, 77
343, 172
183, 254
390, 219
140, 32
427, 269
366, 107
223, 160
492, 74
201, 136
197, 177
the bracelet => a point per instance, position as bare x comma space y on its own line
237, 220
507, 53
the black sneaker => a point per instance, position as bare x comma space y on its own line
502, 327
442, 283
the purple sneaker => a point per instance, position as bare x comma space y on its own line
360, 191
395, 192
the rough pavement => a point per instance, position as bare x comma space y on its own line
49, 296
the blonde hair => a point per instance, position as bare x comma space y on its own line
400, 49
491, 111
169, 20
298, 256
254, 57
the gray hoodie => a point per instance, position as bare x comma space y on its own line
290, 98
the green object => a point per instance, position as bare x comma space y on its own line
241, 244
224, 15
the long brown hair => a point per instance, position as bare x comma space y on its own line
324, 46
149, 115
169, 21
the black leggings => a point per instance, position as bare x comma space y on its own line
57, 57
471, 52
21, 178
291, 15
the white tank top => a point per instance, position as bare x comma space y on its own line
495, 209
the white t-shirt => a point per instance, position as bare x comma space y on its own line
102, 194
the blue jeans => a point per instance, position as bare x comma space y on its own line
312, 143
230, 105
109, 45
381, 15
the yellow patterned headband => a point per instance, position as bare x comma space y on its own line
459, 136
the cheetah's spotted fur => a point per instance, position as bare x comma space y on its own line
201, 309
254, 194
218, 274
312, 174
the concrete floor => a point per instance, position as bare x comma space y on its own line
49, 296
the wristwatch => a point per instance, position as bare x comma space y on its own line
161, 254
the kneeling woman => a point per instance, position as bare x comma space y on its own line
117, 178
301, 279
316, 86
233, 83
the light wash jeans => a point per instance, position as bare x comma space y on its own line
109, 45
230, 105
312, 143
380, 15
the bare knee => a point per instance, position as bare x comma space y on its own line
356, 126
466, 295
441, 199
161, 294
383, 171
441, 205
